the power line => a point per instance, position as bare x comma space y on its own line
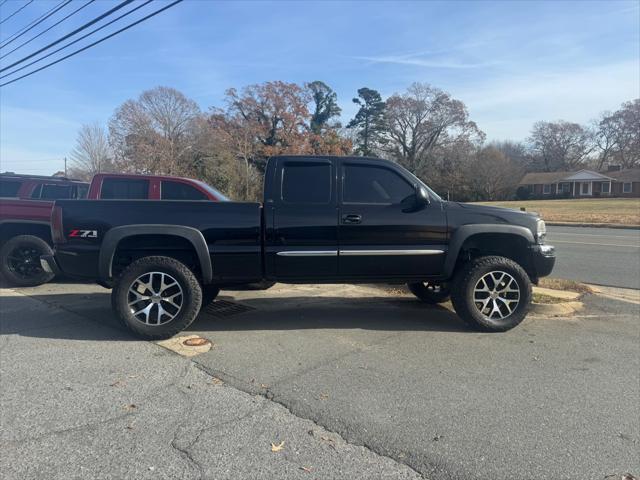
75, 41
94, 43
46, 30
79, 29
17, 11
12, 38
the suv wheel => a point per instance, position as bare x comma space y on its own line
492, 294
157, 297
20, 261
430, 292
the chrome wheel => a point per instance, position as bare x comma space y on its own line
155, 298
496, 295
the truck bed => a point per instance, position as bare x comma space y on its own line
231, 230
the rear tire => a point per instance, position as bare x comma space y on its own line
20, 261
157, 297
430, 292
492, 294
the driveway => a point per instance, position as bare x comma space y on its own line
554, 398
602, 256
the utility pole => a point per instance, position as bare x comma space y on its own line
65, 166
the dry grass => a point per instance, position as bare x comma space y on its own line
625, 211
566, 285
542, 298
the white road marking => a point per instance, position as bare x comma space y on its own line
592, 235
591, 243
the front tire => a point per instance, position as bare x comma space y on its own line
20, 261
430, 292
157, 297
492, 294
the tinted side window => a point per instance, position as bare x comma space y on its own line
9, 188
117, 188
180, 191
55, 192
306, 182
367, 184
82, 191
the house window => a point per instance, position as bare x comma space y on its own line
546, 189
566, 188
606, 187
626, 187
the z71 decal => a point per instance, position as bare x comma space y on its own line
84, 233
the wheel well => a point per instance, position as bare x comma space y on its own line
40, 230
132, 248
506, 245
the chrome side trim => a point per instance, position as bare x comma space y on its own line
358, 253
308, 253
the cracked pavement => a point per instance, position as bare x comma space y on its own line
357, 382
81, 400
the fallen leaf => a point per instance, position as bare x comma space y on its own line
264, 385
324, 396
306, 469
277, 448
131, 406
117, 383
217, 381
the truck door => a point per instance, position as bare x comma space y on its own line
301, 237
378, 234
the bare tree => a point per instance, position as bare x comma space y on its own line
493, 175
560, 145
423, 120
618, 136
91, 153
156, 132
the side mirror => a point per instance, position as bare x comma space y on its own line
422, 195
417, 201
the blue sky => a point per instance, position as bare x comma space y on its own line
512, 63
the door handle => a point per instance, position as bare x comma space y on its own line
352, 219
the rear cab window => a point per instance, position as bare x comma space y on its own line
170, 190
9, 188
124, 189
306, 183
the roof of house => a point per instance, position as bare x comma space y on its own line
627, 175
543, 177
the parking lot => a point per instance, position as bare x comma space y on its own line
357, 382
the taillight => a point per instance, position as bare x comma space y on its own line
57, 229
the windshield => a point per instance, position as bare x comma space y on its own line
212, 191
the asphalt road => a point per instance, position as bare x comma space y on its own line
602, 256
404, 389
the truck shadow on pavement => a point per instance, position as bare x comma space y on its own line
81, 316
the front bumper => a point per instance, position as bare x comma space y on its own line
543, 258
49, 265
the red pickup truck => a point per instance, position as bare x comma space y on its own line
25, 212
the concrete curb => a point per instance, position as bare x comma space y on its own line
563, 309
594, 225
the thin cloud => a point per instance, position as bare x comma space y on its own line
421, 62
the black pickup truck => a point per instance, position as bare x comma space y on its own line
323, 220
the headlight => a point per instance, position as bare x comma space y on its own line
541, 231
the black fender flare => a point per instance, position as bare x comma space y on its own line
463, 232
113, 237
